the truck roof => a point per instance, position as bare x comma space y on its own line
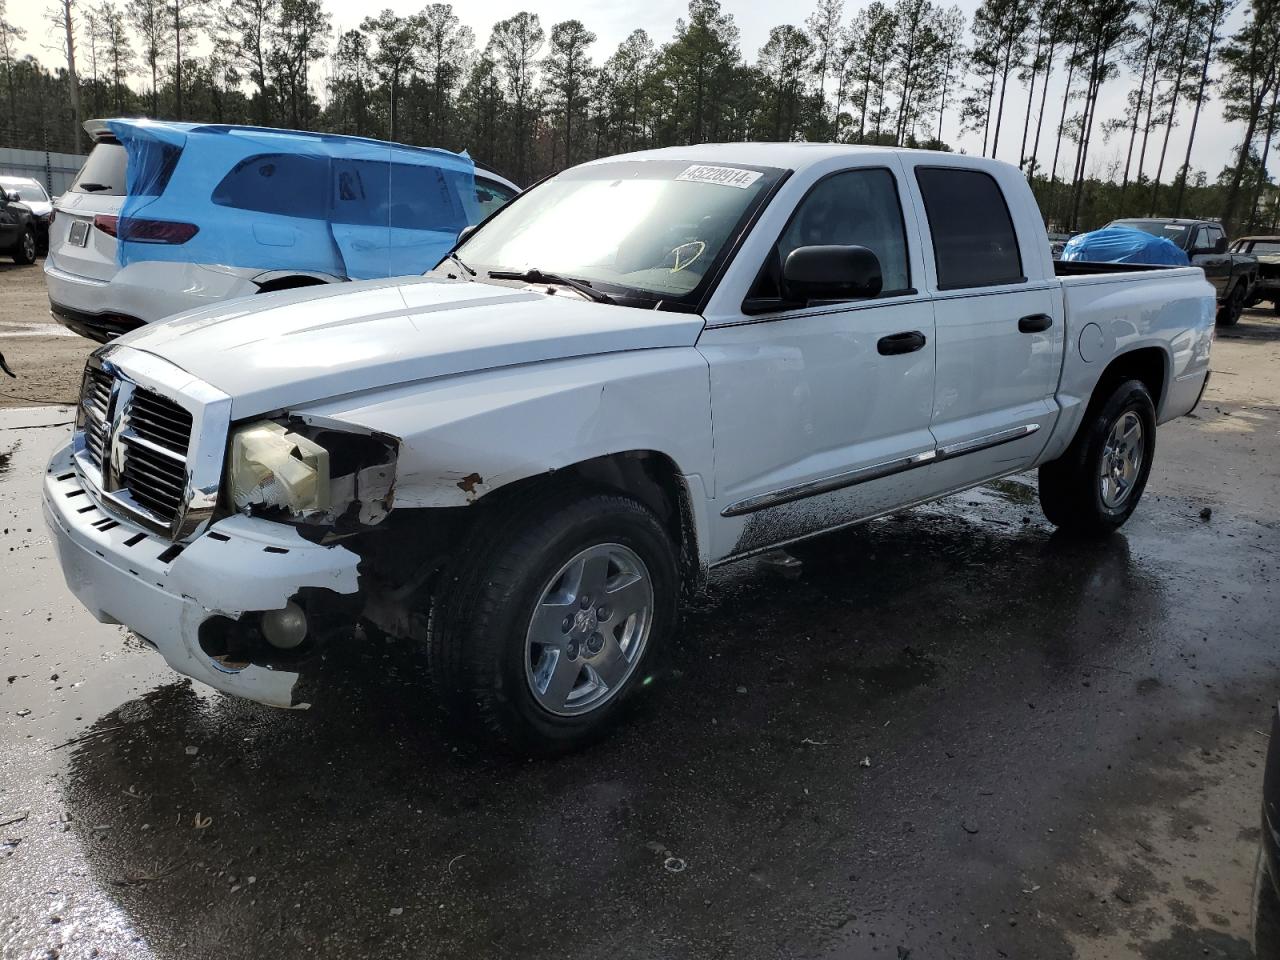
792, 156
1179, 221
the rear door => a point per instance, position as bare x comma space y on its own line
394, 219
998, 333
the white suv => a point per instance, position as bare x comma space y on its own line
231, 211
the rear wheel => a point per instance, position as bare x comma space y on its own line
1097, 483
25, 251
542, 637
1231, 308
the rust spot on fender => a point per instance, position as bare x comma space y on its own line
469, 483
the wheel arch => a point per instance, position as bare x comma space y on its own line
274, 280
649, 476
1151, 365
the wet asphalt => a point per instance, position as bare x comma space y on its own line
954, 734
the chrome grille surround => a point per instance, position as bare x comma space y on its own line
149, 441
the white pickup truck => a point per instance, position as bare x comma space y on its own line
645, 367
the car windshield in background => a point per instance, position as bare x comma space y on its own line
27, 192
1176, 232
1264, 246
655, 228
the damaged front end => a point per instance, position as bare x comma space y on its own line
330, 480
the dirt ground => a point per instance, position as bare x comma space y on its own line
954, 734
46, 356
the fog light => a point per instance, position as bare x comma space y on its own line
285, 629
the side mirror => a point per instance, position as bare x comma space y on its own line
1220, 245
831, 273
11, 196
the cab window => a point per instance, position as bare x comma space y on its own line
853, 208
974, 243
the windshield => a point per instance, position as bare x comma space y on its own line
26, 191
1177, 232
1264, 246
650, 228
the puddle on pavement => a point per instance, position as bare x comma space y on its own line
1014, 491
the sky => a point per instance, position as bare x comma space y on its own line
613, 21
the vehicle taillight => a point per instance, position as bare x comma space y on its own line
106, 223
156, 231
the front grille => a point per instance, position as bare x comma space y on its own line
146, 471
95, 400
154, 462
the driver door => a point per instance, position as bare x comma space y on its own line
10, 223
821, 413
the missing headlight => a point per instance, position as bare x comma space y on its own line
314, 473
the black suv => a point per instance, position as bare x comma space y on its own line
17, 229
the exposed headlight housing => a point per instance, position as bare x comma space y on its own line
273, 467
310, 472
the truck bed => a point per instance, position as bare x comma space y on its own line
1077, 268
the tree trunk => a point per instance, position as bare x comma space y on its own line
1173, 109
177, 58
1233, 193
1195, 116
72, 80
1261, 178
1044, 95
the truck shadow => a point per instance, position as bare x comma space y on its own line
793, 776
1255, 324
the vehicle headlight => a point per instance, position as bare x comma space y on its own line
274, 467
312, 471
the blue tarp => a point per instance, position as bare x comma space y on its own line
287, 200
1124, 245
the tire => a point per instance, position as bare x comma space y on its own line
1275, 307
487, 664
1266, 912
1075, 494
25, 252
1231, 308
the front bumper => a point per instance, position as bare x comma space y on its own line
125, 575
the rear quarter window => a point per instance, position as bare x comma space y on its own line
284, 184
974, 243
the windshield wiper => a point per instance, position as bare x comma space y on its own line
94, 187
535, 275
458, 260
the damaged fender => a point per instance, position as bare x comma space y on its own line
462, 437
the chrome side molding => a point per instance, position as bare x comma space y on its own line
877, 471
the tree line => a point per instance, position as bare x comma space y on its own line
532, 99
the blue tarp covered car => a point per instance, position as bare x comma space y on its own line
347, 206
165, 217
1123, 245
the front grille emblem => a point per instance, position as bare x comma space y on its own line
113, 454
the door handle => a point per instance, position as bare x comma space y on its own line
908, 342
1036, 323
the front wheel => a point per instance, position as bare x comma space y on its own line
543, 635
1097, 483
25, 251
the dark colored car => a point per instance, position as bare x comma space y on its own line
17, 229
1205, 244
1266, 250
1266, 888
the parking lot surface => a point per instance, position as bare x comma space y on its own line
953, 734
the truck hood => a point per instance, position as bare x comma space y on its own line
284, 349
